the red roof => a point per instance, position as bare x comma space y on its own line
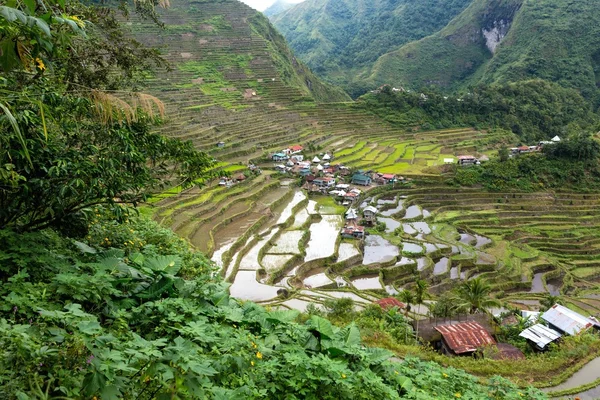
523, 148
465, 337
296, 148
388, 176
390, 302
465, 157
351, 194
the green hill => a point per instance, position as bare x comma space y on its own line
277, 8
496, 41
341, 39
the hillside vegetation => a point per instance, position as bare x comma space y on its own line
340, 39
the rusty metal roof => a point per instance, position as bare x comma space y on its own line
566, 320
465, 337
390, 302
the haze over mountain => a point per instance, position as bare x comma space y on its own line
460, 43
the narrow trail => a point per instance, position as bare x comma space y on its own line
588, 374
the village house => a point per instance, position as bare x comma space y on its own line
281, 168
294, 149
298, 158
467, 160
350, 196
567, 321
240, 178
464, 338
353, 231
220, 144
540, 336
360, 178
279, 157
225, 181
390, 302
370, 215
351, 215
325, 182
384, 179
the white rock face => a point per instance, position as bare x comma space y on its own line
494, 36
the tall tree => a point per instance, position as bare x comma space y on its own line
474, 295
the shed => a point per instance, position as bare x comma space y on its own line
464, 338
448, 160
279, 157
556, 139
240, 178
390, 302
326, 157
567, 321
220, 144
540, 336
316, 160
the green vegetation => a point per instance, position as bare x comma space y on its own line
340, 40
533, 110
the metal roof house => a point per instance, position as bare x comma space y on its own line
390, 302
351, 214
566, 321
464, 338
540, 336
361, 179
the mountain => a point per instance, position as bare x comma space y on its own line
504, 41
341, 39
278, 7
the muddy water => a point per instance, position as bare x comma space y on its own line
422, 227
441, 266
300, 305
378, 250
412, 212
426, 214
553, 287
391, 290
245, 287
287, 211
482, 241
218, 254
589, 373
317, 279
421, 263
349, 295
387, 200
454, 273
409, 229
287, 243
312, 207
392, 211
405, 261
233, 230
273, 262
466, 238
537, 285
322, 237
367, 282
250, 260
430, 248
391, 224
201, 238
300, 218
412, 248
347, 251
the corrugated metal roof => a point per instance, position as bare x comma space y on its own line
465, 337
566, 320
390, 302
541, 335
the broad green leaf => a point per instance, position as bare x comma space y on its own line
157, 289
352, 337
89, 327
110, 392
282, 316
220, 298
166, 264
321, 325
93, 382
377, 356
41, 24
84, 248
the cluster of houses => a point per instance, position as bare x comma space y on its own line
228, 182
515, 151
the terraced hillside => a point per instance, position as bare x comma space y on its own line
233, 80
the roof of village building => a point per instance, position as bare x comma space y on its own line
326, 157
351, 194
465, 337
370, 209
351, 214
295, 148
320, 167
388, 176
316, 159
466, 157
390, 302
566, 320
556, 139
541, 335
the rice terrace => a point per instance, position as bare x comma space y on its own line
280, 245
451, 233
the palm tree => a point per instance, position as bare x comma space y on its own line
421, 293
407, 297
550, 300
475, 296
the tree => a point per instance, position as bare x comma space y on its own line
550, 300
407, 297
475, 296
74, 133
421, 293
503, 154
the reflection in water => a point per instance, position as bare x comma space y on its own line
378, 250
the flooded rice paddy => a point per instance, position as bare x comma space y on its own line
379, 250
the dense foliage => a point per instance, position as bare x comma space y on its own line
555, 40
533, 110
130, 312
71, 139
341, 39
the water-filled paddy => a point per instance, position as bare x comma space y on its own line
287, 211
367, 282
441, 266
287, 243
246, 287
379, 250
390, 224
323, 236
347, 251
273, 262
317, 280
412, 212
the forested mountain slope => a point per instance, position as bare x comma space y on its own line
504, 40
340, 39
